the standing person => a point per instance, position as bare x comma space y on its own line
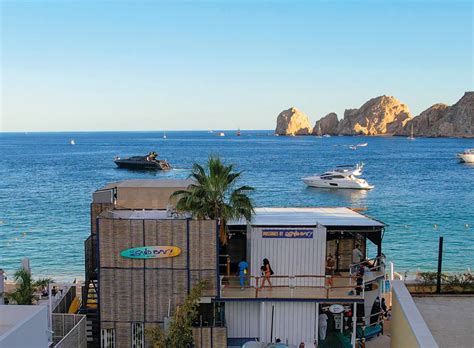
243, 270
266, 273
322, 325
356, 256
330, 267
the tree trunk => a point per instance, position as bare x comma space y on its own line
222, 232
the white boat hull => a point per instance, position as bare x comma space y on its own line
337, 184
466, 157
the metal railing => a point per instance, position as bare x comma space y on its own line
69, 330
253, 285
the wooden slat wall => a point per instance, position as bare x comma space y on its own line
206, 337
96, 209
140, 290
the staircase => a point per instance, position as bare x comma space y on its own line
90, 309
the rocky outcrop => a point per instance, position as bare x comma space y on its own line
326, 125
441, 120
382, 115
293, 122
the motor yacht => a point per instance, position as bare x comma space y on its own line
343, 177
467, 156
148, 162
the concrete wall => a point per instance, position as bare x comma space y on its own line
408, 328
24, 326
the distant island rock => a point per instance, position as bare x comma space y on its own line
326, 125
293, 122
384, 115
441, 120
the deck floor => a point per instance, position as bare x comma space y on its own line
233, 291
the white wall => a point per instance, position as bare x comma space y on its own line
242, 319
293, 322
23, 326
289, 256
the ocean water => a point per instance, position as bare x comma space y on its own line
421, 189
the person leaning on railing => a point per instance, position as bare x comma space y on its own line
330, 268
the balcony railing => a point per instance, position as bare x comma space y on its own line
295, 286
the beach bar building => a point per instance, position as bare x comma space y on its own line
143, 257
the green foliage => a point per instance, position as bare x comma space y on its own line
215, 195
180, 331
460, 282
455, 282
24, 293
430, 278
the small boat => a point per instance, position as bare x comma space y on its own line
411, 137
467, 156
72, 142
319, 132
148, 162
164, 135
362, 145
343, 177
222, 134
238, 132
326, 136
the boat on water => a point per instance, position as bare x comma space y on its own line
342, 177
319, 132
355, 147
467, 156
411, 137
326, 135
238, 132
222, 134
72, 142
148, 162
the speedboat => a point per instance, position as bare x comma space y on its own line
148, 162
467, 156
343, 177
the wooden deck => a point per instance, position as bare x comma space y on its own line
343, 288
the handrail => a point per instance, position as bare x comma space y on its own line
357, 289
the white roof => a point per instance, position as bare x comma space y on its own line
309, 217
270, 217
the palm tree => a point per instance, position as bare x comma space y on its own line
26, 287
214, 195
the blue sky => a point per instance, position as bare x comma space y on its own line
151, 65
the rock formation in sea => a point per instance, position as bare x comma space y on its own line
384, 115
293, 122
441, 120
326, 125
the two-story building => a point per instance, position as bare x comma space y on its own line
142, 258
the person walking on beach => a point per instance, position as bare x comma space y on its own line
330, 267
266, 273
322, 325
243, 270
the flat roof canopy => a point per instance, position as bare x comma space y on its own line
149, 183
309, 217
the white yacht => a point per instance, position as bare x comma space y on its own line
467, 156
343, 177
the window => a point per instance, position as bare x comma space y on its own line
138, 335
107, 338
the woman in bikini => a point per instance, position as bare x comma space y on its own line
266, 273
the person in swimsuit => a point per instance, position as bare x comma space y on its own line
266, 272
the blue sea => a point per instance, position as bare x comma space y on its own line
421, 190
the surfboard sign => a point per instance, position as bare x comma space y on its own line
151, 252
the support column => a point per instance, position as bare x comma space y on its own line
354, 326
317, 322
262, 322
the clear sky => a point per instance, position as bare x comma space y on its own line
150, 65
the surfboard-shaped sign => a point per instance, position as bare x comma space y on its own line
151, 252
